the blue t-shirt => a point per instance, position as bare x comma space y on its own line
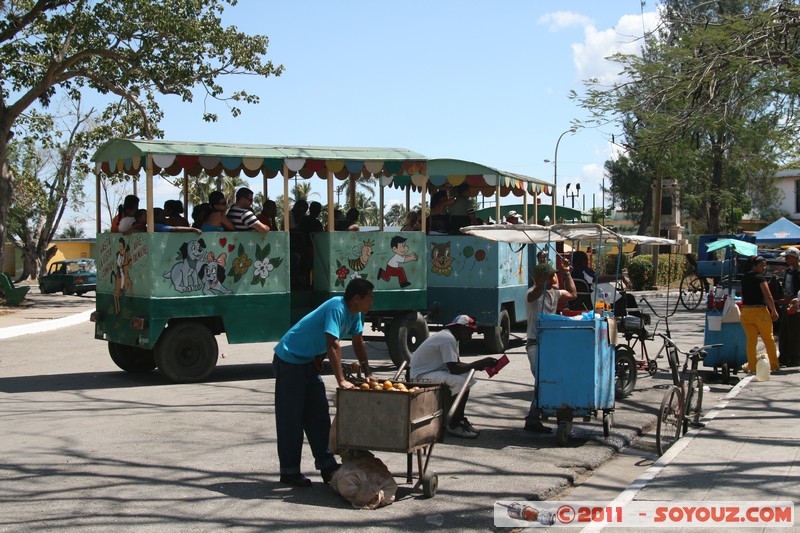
307, 338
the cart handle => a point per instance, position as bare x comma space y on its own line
400, 370
461, 393
427, 418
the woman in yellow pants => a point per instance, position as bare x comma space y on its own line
758, 313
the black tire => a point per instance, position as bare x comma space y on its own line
430, 484
670, 419
186, 352
625, 374
726, 373
132, 358
405, 334
563, 431
694, 402
693, 289
43, 290
652, 367
67, 292
496, 338
608, 423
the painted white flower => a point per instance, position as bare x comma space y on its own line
263, 268
355, 275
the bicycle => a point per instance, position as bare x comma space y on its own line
682, 405
637, 335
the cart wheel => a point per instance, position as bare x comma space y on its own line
726, 373
563, 431
608, 422
652, 367
430, 482
625, 374
692, 289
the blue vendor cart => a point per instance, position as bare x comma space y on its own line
733, 352
575, 370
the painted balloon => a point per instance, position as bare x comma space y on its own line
480, 255
468, 251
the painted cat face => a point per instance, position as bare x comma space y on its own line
440, 255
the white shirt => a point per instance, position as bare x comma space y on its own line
434, 353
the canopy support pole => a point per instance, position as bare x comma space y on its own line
286, 197
424, 220
98, 207
149, 192
380, 201
330, 201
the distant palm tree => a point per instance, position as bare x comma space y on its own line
367, 208
72, 232
395, 216
203, 185
368, 184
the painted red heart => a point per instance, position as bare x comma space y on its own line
223, 241
231, 247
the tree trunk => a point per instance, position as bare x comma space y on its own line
716, 186
6, 189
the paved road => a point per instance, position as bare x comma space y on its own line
88, 447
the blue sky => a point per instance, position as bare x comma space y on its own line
482, 81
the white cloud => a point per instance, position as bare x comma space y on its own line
625, 37
564, 19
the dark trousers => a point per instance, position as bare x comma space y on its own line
301, 406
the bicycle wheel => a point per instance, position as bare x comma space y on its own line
625, 375
692, 290
670, 416
694, 402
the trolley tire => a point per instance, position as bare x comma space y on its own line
430, 483
608, 423
67, 292
726, 373
496, 338
563, 431
132, 358
187, 352
625, 371
652, 367
406, 332
694, 403
670, 417
692, 289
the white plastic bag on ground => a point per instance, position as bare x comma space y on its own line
365, 482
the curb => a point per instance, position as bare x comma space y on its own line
629, 494
43, 326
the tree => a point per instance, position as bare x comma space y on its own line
705, 104
367, 208
133, 49
72, 232
395, 216
48, 177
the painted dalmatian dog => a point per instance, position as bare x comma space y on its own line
185, 273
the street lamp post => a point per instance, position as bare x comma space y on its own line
555, 173
573, 195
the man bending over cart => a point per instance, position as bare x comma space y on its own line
437, 360
301, 405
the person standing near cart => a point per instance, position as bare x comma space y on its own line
543, 297
301, 404
758, 313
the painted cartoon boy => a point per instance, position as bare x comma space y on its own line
393, 268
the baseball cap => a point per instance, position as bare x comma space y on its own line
512, 214
463, 320
791, 251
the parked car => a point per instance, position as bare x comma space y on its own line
73, 276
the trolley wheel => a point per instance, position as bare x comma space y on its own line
692, 290
496, 338
404, 335
726, 373
430, 482
608, 423
625, 374
186, 352
563, 431
670, 419
652, 367
131, 358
